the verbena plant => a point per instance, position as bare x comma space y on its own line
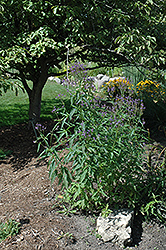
95, 148
103, 142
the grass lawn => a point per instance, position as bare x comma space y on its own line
14, 109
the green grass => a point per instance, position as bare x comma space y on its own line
14, 109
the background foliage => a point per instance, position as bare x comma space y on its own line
36, 35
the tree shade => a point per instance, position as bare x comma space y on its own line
35, 36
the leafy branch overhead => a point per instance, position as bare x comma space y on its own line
35, 36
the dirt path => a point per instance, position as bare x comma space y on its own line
27, 196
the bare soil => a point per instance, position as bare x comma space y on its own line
27, 196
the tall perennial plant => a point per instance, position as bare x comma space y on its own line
95, 148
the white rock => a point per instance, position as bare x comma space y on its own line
100, 79
51, 78
56, 79
116, 227
99, 76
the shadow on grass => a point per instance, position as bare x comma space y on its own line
18, 113
15, 136
13, 114
20, 141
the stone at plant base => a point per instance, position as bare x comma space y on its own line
116, 227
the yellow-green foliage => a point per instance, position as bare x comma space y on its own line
153, 89
147, 87
117, 86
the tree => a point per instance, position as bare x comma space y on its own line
35, 36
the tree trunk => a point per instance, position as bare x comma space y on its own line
35, 105
35, 94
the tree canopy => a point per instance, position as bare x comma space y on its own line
35, 36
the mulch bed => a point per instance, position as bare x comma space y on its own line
27, 196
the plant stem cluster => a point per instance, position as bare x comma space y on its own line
97, 149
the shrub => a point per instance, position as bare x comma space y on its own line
95, 149
151, 89
118, 86
154, 98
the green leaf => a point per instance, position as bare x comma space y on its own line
83, 176
73, 111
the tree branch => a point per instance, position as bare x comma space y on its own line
57, 74
112, 8
24, 82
